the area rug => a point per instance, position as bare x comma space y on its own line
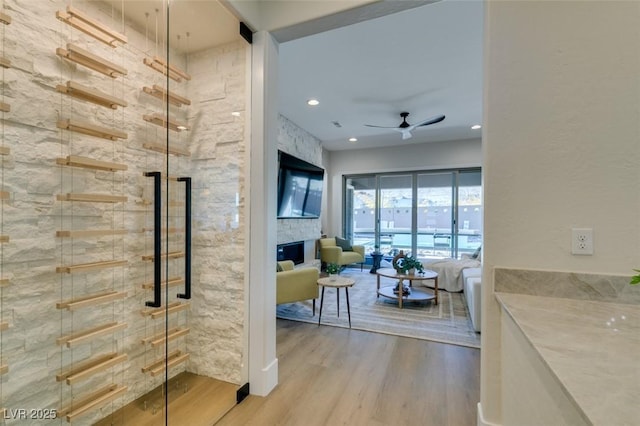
447, 322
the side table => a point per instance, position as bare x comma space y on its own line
337, 283
377, 258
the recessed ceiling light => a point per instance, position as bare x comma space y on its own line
236, 113
353, 139
313, 102
476, 127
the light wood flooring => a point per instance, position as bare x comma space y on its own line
335, 376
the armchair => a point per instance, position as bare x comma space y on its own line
293, 285
331, 252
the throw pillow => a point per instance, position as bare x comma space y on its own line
476, 254
278, 268
344, 244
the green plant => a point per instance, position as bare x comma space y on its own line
332, 268
409, 262
636, 278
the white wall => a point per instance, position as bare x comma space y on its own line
425, 156
561, 147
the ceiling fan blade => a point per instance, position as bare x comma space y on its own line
431, 120
381, 127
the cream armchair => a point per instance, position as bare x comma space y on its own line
294, 285
331, 252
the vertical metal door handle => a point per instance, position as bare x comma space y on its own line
187, 238
157, 240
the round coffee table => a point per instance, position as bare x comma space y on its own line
408, 293
337, 283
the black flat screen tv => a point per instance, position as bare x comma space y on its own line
299, 188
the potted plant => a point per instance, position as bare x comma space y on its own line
332, 269
636, 278
410, 265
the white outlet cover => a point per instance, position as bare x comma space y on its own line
582, 241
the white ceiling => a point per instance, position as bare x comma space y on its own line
426, 60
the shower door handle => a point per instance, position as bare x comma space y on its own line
187, 238
157, 240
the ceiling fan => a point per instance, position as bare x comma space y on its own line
406, 128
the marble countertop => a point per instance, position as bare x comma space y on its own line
592, 348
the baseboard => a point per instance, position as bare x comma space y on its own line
267, 381
481, 421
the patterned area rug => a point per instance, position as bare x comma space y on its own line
447, 322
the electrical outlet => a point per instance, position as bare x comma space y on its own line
582, 241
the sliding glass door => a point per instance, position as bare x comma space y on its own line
433, 215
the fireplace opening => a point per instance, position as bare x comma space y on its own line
291, 251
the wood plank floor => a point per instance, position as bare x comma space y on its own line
335, 376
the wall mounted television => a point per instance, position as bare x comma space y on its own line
299, 188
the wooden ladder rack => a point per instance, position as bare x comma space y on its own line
160, 338
83, 267
169, 255
166, 95
90, 26
90, 163
91, 300
91, 401
89, 334
173, 359
90, 233
163, 121
160, 65
171, 282
85, 58
4, 107
87, 128
92, 198
93, 366
162, 148
95, 96
171, 308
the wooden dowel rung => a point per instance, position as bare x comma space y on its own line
4, 239
4, 282
90, 233
171, 362
95, 96
84, 57
4, 150
4, 369
83, 267
4, 325
90, 163
92, 401
85, 335
5, 63
87, 369
170, 255
98, 25
5, 19
4, 107
166, 95
171, 67
92, 198
160, 338
161, 148
90, 129
171, 308
166, 230
158, 67
163, 121
91, 300
4, 195
171, 282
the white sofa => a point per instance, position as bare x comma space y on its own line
472, 278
